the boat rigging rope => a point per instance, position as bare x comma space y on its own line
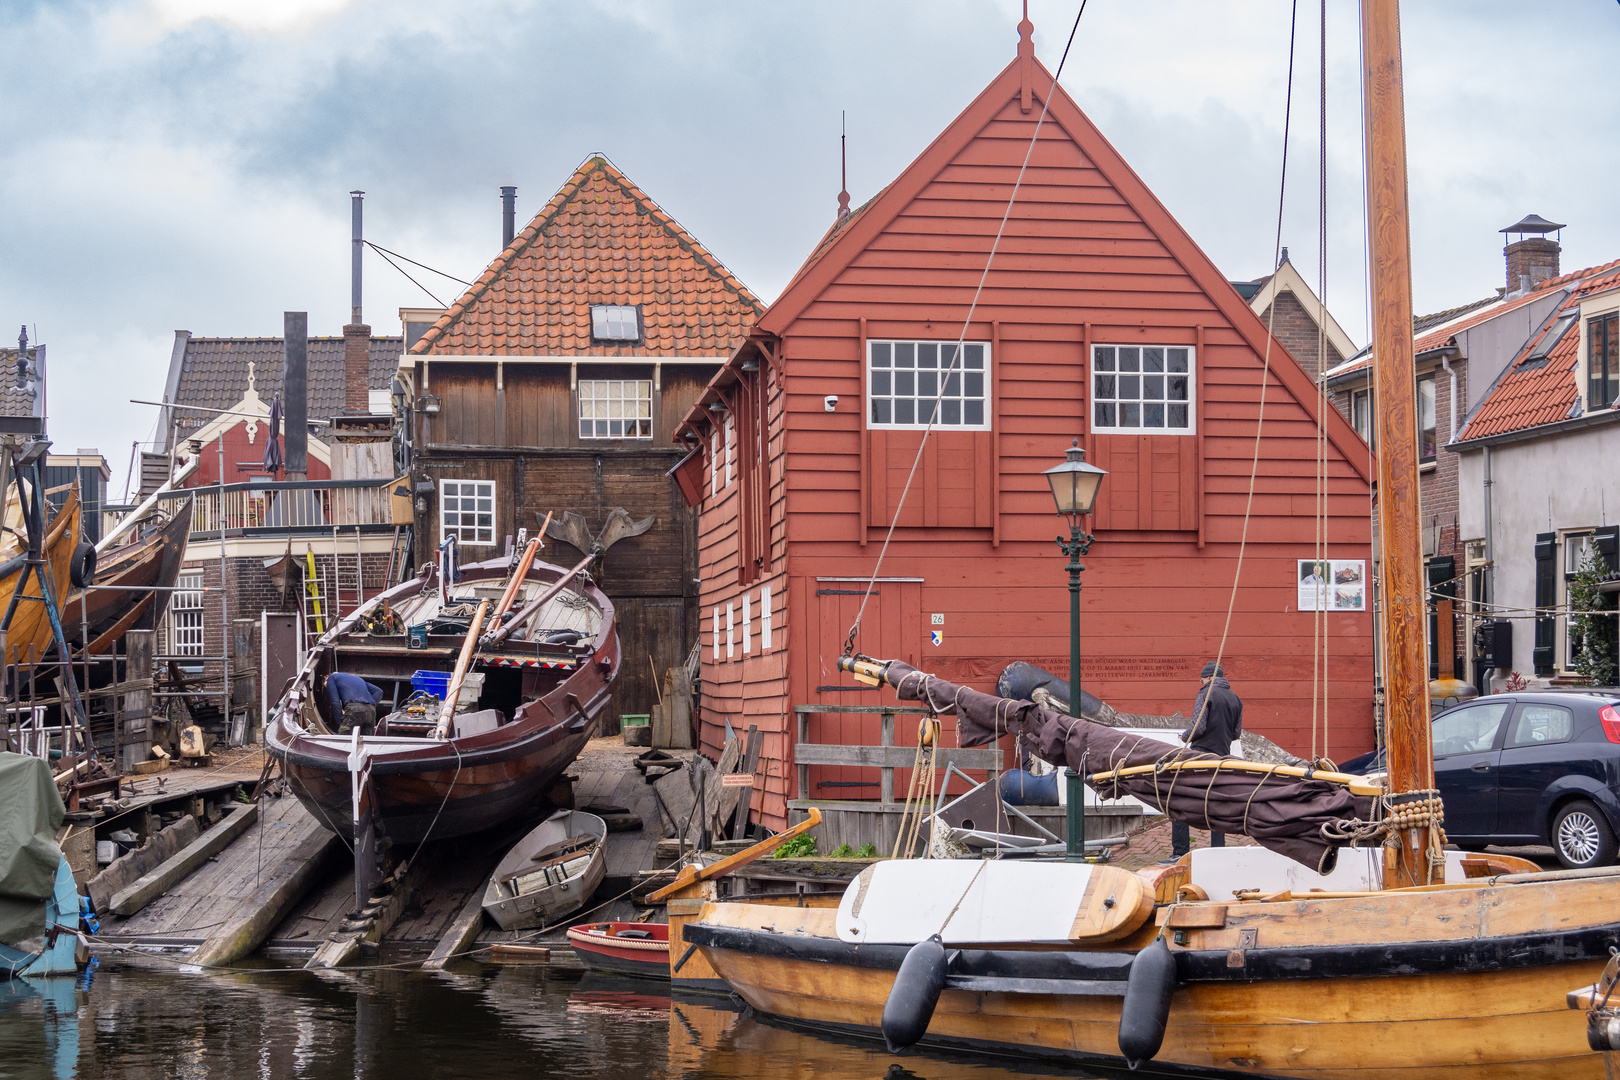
956, 356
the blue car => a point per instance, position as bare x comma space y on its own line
1529, 768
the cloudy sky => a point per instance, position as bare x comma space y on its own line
184, 164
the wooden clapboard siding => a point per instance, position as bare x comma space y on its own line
1088, 256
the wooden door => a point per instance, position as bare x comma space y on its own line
282, 652
891, 629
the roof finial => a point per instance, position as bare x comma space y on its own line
250, 377
843, 164
1026, 61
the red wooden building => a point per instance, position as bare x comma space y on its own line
1100, 320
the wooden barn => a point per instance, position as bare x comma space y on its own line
554, 385
1100, 320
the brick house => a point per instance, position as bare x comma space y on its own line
555, 384
1538, 492
1301, 322
218, 394
1459, 355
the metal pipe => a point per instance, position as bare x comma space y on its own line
133, 517
356, 202
508, 216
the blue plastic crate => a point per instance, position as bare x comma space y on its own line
432, 682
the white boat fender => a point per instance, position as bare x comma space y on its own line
1146, 1009
915, 992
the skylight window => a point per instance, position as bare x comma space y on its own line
615, 322
1544, 348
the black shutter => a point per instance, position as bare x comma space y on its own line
1546, 598
1443, 577
1607, 541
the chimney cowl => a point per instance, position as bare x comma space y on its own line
1533, 257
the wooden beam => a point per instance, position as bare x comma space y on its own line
161, 879
890, 757
246, 928
460, 934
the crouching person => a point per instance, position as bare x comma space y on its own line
354, 702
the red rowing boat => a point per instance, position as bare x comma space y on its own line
627, 948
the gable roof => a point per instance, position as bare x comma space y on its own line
840, 250
600, 240
1261, 292
1441, 328
1544, 390
213, 374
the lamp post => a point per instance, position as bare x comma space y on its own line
1074, 489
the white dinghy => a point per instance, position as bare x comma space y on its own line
551, 872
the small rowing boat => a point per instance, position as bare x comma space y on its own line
627, 948
551, 872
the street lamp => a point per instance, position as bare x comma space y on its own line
1074, 489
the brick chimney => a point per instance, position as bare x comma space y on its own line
1532, 258
356, 335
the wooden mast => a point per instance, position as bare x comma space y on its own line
1406, 717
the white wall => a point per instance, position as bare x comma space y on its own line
1567, 481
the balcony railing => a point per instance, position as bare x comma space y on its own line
287, 508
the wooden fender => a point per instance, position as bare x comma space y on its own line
902, 901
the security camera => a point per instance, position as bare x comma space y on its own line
832, 402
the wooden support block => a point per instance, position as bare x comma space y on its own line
151, 765
460, 934
1201, 917
254, 918
519, 954
162, 878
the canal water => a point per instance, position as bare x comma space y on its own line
147, 1019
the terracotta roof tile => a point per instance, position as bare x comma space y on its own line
600, 238
13, 401
1544, 390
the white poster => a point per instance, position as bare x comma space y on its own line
1332, 585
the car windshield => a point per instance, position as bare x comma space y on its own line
1468, 730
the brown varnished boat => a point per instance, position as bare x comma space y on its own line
1391, 959
544, 688
141, 574
29, 635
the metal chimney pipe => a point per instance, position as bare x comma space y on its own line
295, 392
356, 198
508, 216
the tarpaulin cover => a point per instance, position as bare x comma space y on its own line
1283, 813
30, 813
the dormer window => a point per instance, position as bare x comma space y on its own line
1602, 361
616, 322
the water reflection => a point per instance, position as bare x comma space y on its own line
143, 1020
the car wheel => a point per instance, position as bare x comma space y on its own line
1581, 836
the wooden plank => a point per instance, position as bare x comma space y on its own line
154, 884
247, 927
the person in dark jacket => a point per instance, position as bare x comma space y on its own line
1217, 723
354, 701
1217, 714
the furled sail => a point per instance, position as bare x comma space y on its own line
1284, 809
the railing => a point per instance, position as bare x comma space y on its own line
885, 757
272, 508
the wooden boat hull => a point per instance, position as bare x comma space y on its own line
1449, 981
144, 573
443, 788
29, 636
599, 950
544, 906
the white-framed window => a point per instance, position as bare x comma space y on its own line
186, 615
615, 408
1577, 547
765, 619
748, 623
715, 635
616, 322
906, 380
731, 631
714, 463
1361, 416
467, 511
1142, 389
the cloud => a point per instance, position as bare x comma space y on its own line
186, 163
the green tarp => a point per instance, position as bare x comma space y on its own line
30, 813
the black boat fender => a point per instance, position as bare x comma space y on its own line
1146, 1009
915, 992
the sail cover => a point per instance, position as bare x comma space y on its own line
1282, 813
30, 813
